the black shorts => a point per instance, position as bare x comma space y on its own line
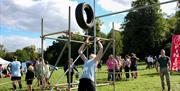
15, 78
29, 82
134, 68
86, 85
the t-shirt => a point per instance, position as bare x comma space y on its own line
163, 62
15, 68
89, 69
29, 75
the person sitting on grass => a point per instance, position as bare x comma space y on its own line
29, 77
87, 78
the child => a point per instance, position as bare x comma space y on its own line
29, 77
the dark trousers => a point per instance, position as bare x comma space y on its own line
110, 75
71, 78
127, 71
86, 85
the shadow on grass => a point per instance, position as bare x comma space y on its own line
151, 74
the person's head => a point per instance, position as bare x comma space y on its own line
92, 56
0, 64
31, 68
46, 62
163, 52
110, 56
71, 61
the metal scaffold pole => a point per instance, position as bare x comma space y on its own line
69, 48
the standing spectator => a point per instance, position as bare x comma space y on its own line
47, 72
69, 76
15, 70
127, 65
134, 65
29, 77
40, 72
1, 71
119, 67
165, 65
111, 64
99, 65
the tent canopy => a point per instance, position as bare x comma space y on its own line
4, 62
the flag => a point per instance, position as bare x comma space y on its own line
175, 53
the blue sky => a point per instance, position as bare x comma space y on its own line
20, 19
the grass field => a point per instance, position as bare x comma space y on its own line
148, 80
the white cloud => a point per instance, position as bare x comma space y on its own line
27, 14
169, 8
108, 26
114, 5
119, 5
12, 43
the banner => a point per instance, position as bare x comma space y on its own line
175, 53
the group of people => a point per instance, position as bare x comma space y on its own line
151, 61
117, 63
87, 79
39, 70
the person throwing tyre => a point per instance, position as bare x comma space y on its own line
165, 65
87, 78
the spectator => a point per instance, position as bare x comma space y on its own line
111, 64
165, 64
99, 65
15, 70
119, 67
40, 72
47, 72
127, 65
29, 77
133, 66
69, 76
1, 70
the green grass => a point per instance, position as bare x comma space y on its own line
148, 80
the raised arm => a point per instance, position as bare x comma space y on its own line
80, 51
100, 52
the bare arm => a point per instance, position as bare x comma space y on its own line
100, 53
80, 51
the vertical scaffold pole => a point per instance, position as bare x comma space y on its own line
114, 53
94, 27
94, 36
69, 48
42, 43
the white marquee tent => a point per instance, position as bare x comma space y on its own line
4, 62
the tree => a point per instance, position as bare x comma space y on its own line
177, 27
2, 51
143, 29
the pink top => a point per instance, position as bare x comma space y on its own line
111, 62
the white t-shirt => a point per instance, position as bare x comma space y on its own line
15, 68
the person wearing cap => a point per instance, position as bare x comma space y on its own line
165, 65
88, 76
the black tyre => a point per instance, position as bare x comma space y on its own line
80, 17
